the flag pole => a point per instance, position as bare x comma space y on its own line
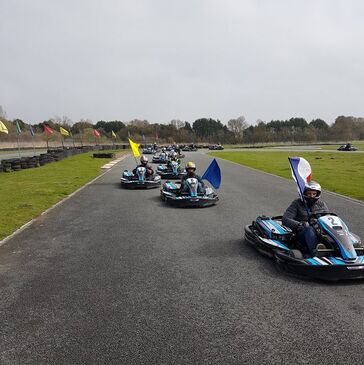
17, 139
33, 145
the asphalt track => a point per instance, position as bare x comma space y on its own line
115, 277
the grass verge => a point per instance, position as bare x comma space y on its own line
27, 193
340, 173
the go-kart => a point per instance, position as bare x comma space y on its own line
341, 259
172, 171
160, 158
189, 149
139, 180
194, 196
347, 147
216, 147
149, 151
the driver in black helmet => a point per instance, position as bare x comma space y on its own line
296, 216
191, 173
144, 163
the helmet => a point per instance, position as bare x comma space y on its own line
143, 160
174, 155
190, 165
315, 186
163, 149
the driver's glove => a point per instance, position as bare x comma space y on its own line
302, 226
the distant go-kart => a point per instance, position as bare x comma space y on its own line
171, 172
191, 198
347, 147
160, 158
190, 148
216, 147
342, 259
139, 180
149, 151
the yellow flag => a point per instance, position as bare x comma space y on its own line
134, 147
113, 134
64, 132
3, 128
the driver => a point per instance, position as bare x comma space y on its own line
172, 158
163, 154
296, 216
144, 163
191, 173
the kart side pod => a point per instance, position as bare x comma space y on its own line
269, 228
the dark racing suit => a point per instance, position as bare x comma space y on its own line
296, 218
201, 185
149, 171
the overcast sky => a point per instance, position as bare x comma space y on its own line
164, 59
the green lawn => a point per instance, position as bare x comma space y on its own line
342, 173
27, 193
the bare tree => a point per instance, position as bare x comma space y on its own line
2, 113
237, 126
177, 123
138, 123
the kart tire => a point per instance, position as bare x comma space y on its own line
297, 254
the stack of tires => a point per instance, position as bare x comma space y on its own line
104, 155
6, 166
45, 158
11, 164
33, 162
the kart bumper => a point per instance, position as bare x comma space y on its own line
190, 202
134, 184
323, 268
170, 175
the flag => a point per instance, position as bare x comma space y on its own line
129, 134
113, 134
213, 174
301, 173
96, 133
143, 137
48, 130
31, 131
64, 132
3, 128
134, 147
18, 129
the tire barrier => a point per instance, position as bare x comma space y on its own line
17, 164
104, 155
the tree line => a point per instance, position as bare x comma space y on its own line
296, 130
